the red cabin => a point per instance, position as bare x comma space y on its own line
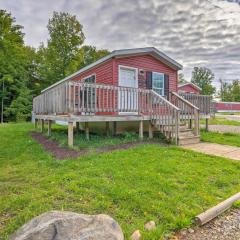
132, 85
189, 88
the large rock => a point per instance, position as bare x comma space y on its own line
57, 225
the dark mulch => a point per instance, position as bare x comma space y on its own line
60, 152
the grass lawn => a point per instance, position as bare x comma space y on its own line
148, 182
221, 138
221, 121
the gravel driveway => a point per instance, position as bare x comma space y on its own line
224, 227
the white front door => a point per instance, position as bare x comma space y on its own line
128, 98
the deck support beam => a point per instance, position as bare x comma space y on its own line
114, 128
107, 129
141, 129
42, 125
206, 125
150, 130
87, 130
49, 127
70, 134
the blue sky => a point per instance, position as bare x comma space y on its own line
194, 32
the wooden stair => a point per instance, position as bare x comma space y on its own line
186, 136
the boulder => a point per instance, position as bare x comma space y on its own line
58, 225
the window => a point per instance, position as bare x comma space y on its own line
89, 79
158, 83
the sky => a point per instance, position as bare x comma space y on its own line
193, 32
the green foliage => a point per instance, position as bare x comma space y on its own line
66, 37
203, 77
16, 61
230, 92
20, 108
64, 53
221, 121
169, 185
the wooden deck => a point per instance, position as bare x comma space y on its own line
76, 102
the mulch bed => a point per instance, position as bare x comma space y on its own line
61, 153
224, 227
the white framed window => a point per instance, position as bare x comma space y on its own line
158, 83
90, 79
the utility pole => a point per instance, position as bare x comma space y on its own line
2, 101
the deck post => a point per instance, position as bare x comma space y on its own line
190, 123
42, 125
141, 129
150, 130
49, 127
196, 122
206, 126
77, 127
36, 123
70, 134
107, 129
87, 130
114, 128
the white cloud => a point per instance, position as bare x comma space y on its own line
194, 32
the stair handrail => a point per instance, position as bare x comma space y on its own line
196, 112
166, 116
165, 100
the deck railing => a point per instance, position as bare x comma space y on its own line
203, 102
85, 98
93, 98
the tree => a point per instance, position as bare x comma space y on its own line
86, 55
230, 92
181, 78
14, 61
20, 108
66, 38
203, 77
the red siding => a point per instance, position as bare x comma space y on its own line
147, 63
188, 89
227, 106
107, 73
104, 73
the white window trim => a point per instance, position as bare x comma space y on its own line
130, 68
163, 82
94, 74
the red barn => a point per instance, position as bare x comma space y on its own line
189, 88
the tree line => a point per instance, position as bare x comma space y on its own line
25, 71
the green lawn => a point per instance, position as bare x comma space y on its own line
221, 121
221, 138
166, 184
